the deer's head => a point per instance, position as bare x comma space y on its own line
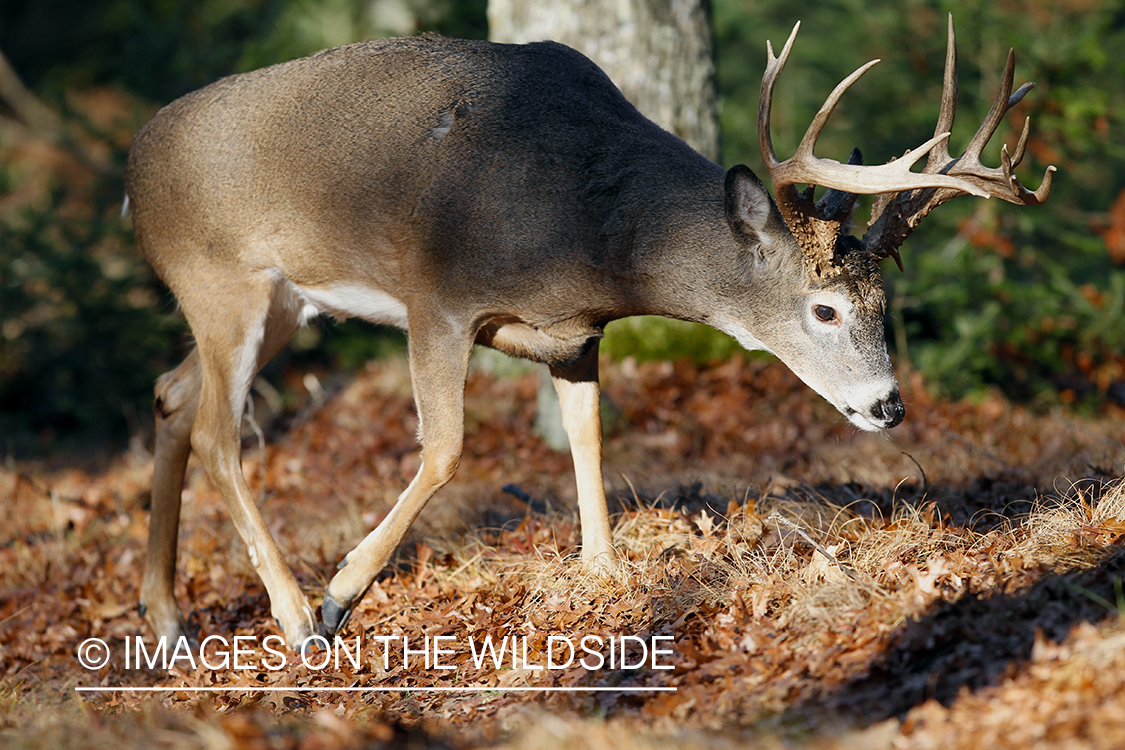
828, 325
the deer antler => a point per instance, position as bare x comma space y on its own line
911, 194
817, 227
894, 217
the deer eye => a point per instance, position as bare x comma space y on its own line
824, 313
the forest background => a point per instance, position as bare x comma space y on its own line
953, 583
1028, 301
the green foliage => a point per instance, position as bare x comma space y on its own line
162, 49
1026, 299
84, 327
349, 344
1035, 323
84, 330
651, 338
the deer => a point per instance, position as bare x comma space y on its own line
507, 196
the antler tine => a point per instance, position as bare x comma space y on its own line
816, 127
893, 218
1017, 157
1001, 182
1009, 163
1024, 196
940, 154
996, 112
774, 66
804, 167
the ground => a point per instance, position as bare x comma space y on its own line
954, 583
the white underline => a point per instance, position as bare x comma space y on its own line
431, 689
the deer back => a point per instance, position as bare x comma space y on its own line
490, 174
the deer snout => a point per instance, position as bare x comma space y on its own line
889, 411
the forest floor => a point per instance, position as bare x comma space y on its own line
954, 583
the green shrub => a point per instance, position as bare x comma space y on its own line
84, 330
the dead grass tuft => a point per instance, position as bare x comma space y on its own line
1069, 529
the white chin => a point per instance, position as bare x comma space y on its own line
863, 422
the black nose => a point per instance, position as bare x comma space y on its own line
890, 410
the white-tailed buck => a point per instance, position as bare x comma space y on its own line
503, 195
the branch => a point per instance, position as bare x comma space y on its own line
42, 120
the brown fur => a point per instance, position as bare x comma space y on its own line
473, 193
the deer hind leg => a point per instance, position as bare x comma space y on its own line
439, 361
177, 397
580, 399
238, 332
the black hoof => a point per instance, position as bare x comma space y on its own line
333, 615
311, 646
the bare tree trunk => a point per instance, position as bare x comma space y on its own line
658, 52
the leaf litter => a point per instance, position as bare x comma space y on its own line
956, 583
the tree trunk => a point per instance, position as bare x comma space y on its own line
658, 52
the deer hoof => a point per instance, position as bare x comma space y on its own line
171, 627
333, 615
310, 647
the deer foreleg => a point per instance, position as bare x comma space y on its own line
580, 398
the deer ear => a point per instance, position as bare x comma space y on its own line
748, 205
